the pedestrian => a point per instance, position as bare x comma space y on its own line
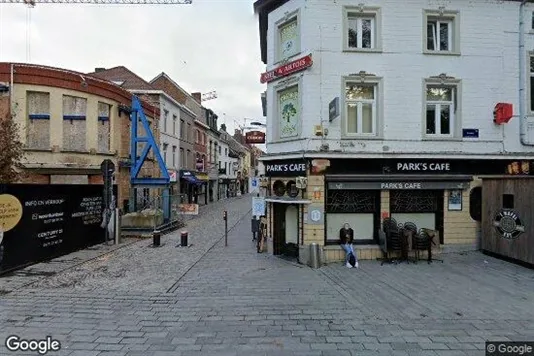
346, 237
262, 235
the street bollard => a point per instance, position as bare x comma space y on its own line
156, 237
225, 217
183, 238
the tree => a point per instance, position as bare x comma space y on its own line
11, 150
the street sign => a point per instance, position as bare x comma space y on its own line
258, 206
107, 167
254, 182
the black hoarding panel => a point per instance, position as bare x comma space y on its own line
45, 221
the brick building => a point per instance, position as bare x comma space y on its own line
70, 122
389, 114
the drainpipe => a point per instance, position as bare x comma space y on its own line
11, 100
522, 77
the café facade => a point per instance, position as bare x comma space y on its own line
309, 199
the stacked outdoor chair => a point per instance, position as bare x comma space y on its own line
393, 240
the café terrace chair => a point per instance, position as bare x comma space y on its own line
393, 241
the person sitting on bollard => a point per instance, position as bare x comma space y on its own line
346, 237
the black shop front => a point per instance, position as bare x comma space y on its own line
363, 192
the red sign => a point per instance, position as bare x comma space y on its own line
255, 137
287, 69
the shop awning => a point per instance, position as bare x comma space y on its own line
287, 200
203, 177
397, 181
190, 177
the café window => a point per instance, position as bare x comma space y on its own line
359, 208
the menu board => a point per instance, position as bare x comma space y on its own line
40, 222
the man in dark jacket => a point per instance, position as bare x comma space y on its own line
346, 237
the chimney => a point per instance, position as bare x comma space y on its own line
223, 127
197, 97
99, 70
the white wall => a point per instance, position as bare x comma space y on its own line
169, 136
487, 67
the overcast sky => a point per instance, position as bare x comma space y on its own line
209, 45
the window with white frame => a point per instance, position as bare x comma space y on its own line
288, 112
362, 28
361, 108
288, 43
440, 110
165, 119
442, 32
165, 147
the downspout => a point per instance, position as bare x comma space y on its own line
522, 77
11, 94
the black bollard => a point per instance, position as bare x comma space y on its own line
156, 238
183, 238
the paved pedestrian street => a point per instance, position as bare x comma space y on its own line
208, 299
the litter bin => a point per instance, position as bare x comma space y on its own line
315, 256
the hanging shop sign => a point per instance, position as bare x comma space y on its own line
508, 224
293, 168
255, 137
287, 69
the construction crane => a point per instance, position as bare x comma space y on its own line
32, 3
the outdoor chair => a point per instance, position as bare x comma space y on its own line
393, 245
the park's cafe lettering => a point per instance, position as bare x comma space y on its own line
289, 167
423, 167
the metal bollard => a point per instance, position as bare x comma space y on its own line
314, 256
156, 237
183, 238
117, 226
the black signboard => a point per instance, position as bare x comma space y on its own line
286, 168
431, 166
46, 221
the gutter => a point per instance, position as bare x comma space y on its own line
522, 78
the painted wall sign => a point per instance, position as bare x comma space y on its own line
287, 69
508, 224
286, 168
470, 133
254, 137
333, 109
416, 185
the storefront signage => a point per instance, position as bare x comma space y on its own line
419, 166
255, 137
287, 69
508, 224
427, 166
470, 133
286, 168
333, 109
416, 185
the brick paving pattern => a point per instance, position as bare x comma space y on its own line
208, 299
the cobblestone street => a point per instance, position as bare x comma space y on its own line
208, 299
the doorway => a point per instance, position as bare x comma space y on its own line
285, 229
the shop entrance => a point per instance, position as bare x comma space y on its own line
285, 229
424, 208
